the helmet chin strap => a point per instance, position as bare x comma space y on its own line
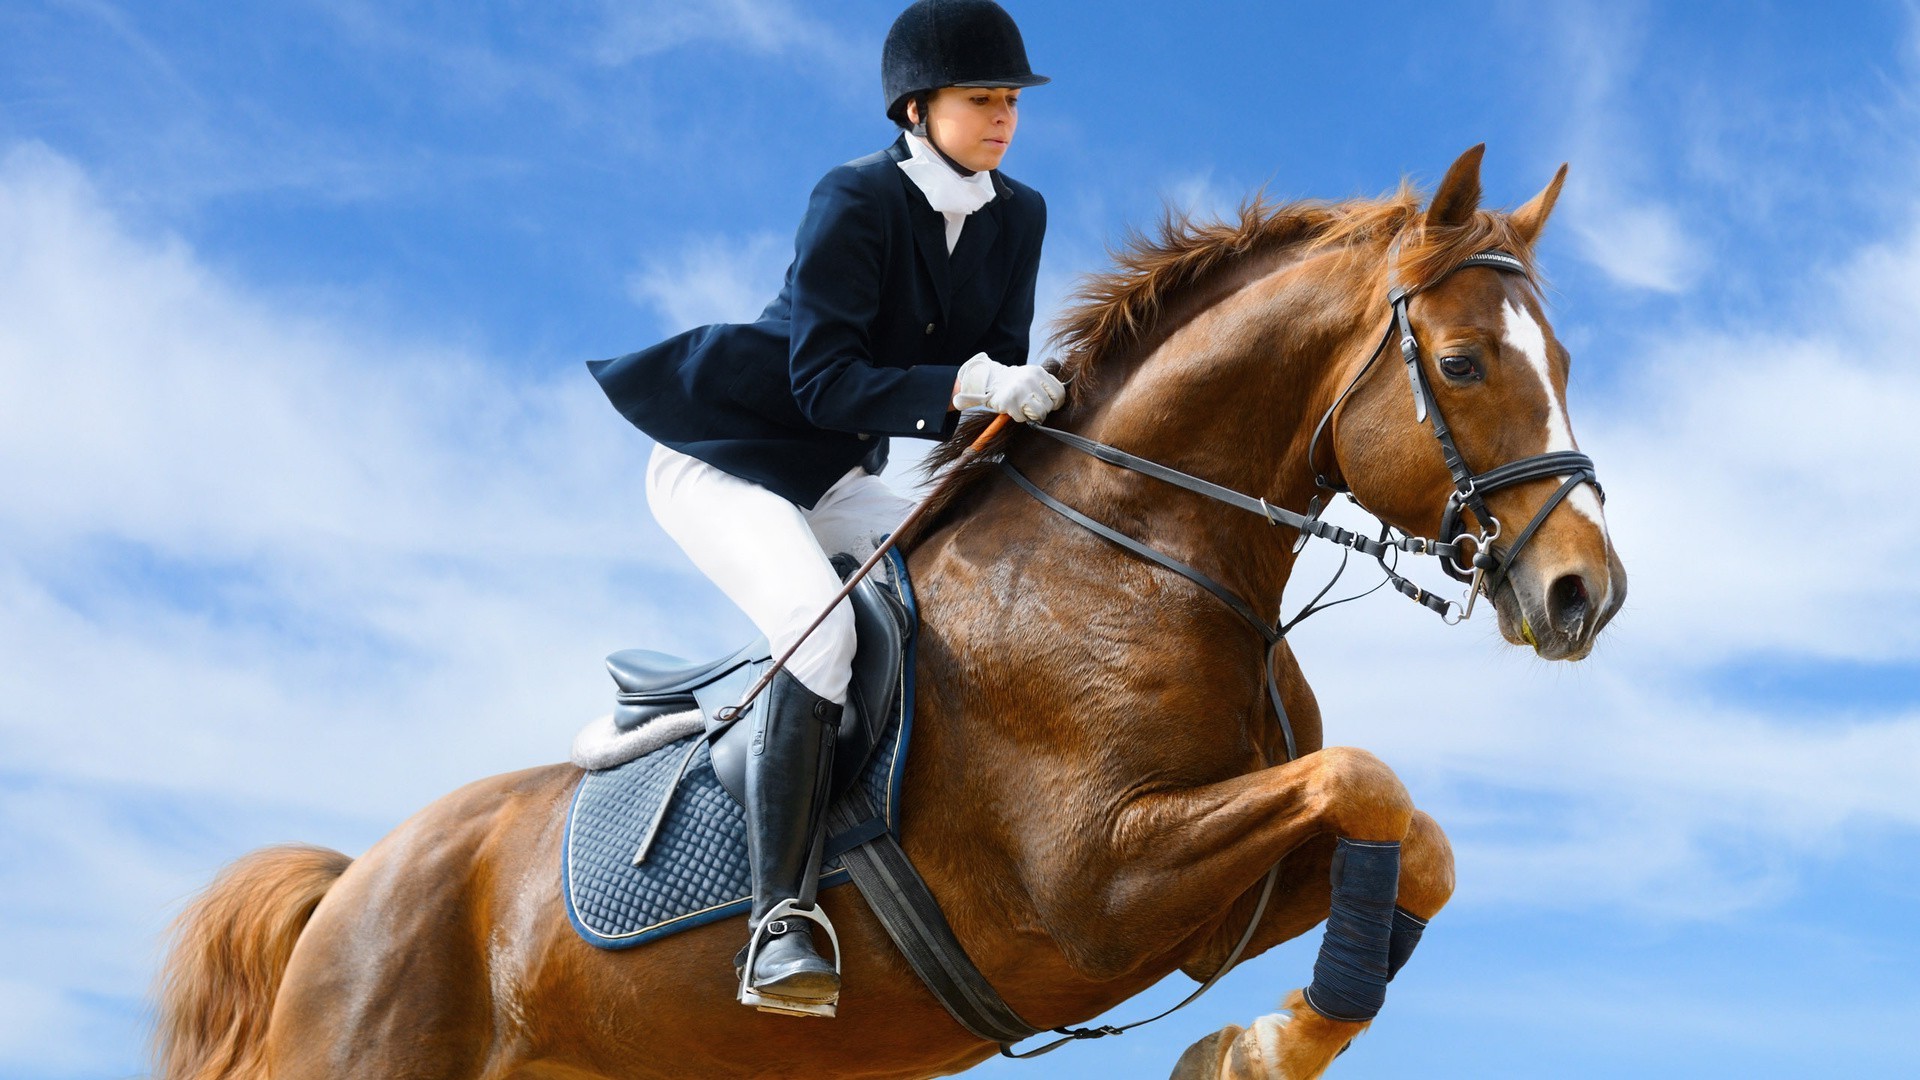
920, 128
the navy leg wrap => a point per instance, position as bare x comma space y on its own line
1407, 928
1350, 977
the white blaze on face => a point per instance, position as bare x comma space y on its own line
1524, 336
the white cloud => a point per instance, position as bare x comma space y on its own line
1632, 235
635, 31
232, 528
1638, 244
45, 1030
1199, 197
713, 279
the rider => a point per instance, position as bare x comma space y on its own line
910, 296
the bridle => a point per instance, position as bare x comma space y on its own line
1487, 567
1467, 557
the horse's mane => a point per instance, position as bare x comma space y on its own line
1110, 314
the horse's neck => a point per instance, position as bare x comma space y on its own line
1231, 397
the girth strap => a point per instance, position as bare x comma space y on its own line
907, 909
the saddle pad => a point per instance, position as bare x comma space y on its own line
697, 869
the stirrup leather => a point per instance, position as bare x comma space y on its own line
772, 1003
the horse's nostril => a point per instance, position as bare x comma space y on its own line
1567, 604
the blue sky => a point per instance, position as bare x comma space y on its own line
308, 512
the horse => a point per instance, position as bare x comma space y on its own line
1100, 785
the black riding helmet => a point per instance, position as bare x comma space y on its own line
938, 43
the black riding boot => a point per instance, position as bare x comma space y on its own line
787, 771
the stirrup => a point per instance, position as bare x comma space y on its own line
789, 908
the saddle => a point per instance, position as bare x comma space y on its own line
651, 685
617, 897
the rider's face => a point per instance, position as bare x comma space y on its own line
973, 124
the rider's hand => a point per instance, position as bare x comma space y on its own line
1024, 393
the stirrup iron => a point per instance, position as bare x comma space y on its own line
789, 908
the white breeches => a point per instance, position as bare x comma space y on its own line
770, 556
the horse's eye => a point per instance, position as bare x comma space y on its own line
1459, 367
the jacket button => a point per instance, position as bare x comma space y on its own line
919, 425
929, 328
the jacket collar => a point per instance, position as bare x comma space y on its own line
898, 152
930, 232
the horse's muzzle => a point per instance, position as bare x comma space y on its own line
1559, 606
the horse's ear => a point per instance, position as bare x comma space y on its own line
1529, 220
1459, 194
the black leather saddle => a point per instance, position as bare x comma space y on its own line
652, 684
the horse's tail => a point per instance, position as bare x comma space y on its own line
229, 950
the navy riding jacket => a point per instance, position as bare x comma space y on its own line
864, 341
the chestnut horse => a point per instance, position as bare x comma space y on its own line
1088, 793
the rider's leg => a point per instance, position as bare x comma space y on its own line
787, 771
856, 514
760, 551
758, 548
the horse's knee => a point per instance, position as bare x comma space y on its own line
1359, 796
1426, 867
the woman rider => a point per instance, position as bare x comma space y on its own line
910, 296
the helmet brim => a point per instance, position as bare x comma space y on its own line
1014, 82
897, 112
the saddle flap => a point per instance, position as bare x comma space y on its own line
882, 630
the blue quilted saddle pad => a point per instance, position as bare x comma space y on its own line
696, 871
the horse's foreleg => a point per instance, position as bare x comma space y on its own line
1343, 830
1299, 1041
1175, 854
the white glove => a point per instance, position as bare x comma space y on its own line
1024, 393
